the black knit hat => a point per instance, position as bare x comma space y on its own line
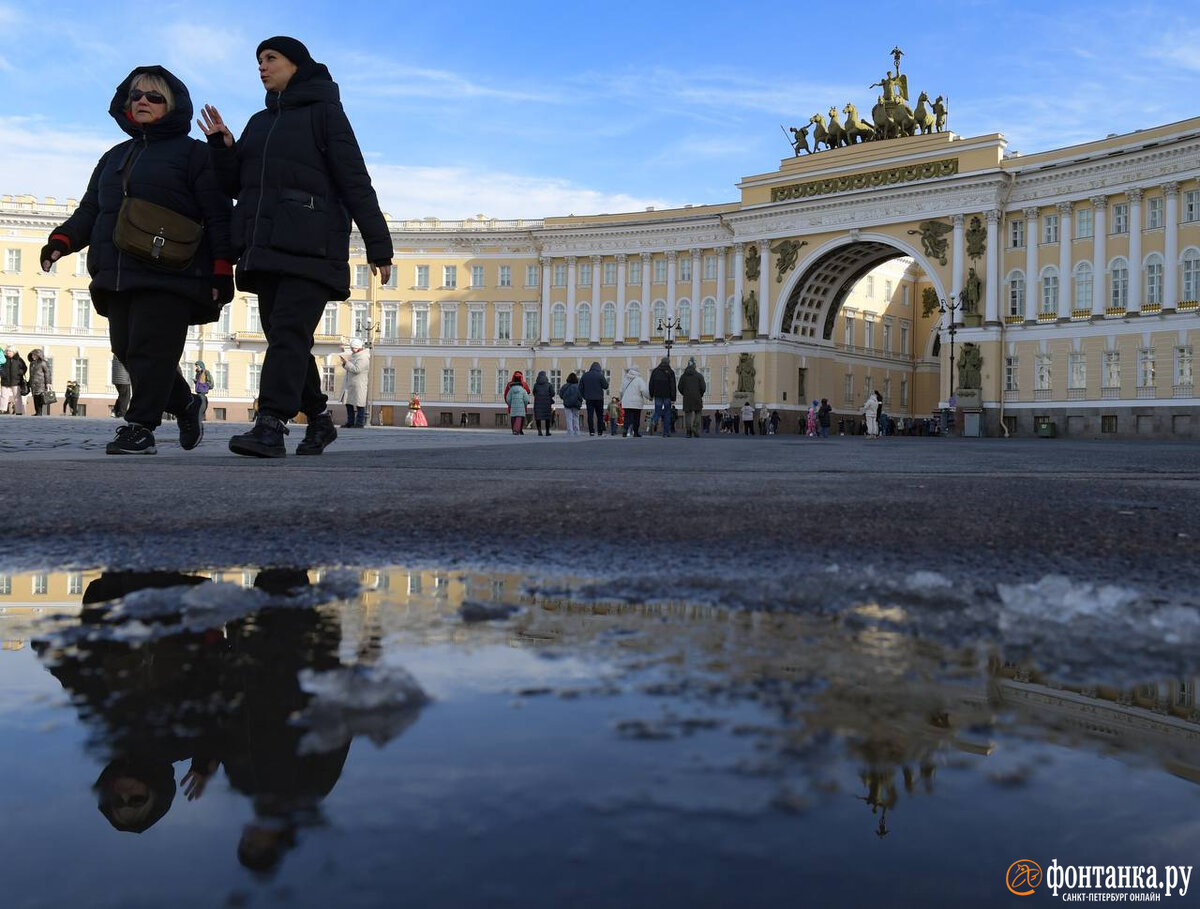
291, 48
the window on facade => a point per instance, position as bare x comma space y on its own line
420, 329
475, 324
710, 268
475, 381
1111, 375
685, 268
421, 278
558, 321
609, 273
418, 380
1154, 212
868, 333
848, 387
659, 318
1154, 279
848, 338
1191, 275
83, 311
477, 276
12, 260
585, 274
633, 320
449, 323
450, 276
12, 307
904, 337
1050, 291
1145, 371
1191, 205
391, 320
387, 380
1010, 373
221, 377
1120, 218
708, 317
362, 275
887, 337
46, 304
79, 371
1084, 223
684, 313
447, 381
532, 326
1016, 234
501, 380
608, 320
532, 277
870, 287
392, 280
635, 271
504, 325
1077, 370
1183, 365
660, 271
904, 391
556, 379
81, 263
254, 378
583, 322
1119, 284
560, 275
1042, 373
1083, 286
1016, 295
1050, 229
360, 318
329, 319
328, 379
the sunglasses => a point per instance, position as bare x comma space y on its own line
153, 97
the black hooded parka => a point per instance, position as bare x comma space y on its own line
299, 177
165, 167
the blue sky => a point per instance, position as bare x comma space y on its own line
534, 109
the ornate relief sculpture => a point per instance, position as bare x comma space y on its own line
933, 239
753, 263
787, 251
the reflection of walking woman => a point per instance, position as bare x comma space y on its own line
299, 177
149, 308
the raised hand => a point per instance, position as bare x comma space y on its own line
211, 124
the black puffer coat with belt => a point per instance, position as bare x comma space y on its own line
299, 177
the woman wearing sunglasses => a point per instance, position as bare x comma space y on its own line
148, 306
299, 177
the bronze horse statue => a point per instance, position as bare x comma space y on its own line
857, 130
923, 117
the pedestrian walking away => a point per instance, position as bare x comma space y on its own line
149, 306
518, 401
824, 416
299, 178
692, 388
663, 390
572, 397
593, 384
748, 419
543, 402
634, 397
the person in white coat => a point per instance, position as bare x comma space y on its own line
634, 397
870, 410
357, 364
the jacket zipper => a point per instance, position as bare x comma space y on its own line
133, 159
262, 179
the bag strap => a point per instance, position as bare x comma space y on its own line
126, 167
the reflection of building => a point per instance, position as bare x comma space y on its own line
1089, 275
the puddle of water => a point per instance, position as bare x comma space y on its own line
305, 737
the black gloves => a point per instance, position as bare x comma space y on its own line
223, 285
54, 246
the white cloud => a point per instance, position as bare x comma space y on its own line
381, 77
447, 192
203, 48
48, 161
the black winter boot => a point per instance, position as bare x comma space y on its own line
265, 440
317, 437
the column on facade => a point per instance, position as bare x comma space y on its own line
1171, 246
594, 327
719, 330
621, 260
1134, 301
739, 288
764, 287
672, 274
647, 310
1066, 280
696, 312
572, 276
546, 270
1099, 253
1033, 285
991, 291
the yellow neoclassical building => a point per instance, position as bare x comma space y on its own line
1069, 278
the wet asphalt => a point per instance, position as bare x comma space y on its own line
732, 509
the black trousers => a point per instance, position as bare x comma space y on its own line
595, 416
147, 330
290, 309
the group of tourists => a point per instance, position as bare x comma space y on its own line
297, 177
22, 378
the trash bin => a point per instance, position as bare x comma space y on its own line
1046, 429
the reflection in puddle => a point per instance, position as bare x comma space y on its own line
547, 709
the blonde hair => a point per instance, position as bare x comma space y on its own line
151, 82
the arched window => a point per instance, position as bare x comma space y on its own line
684, 311
608, 320
658, 317
708, 317
1118, 272
633, 320
1016, 293
583, 322
1083, 285
1191, 274
1049, 290
1154, 279
558, 321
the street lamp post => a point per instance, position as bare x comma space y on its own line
370, 333
669, 327
952, 306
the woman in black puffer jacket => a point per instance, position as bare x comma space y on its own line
149, 308
299, 177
